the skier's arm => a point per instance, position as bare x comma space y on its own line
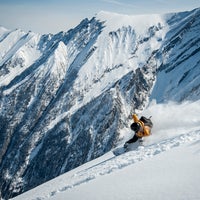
135, 118
144, 132
147, 131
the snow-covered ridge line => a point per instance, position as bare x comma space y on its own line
68, 98
113, 163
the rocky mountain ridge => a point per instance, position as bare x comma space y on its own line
67, 98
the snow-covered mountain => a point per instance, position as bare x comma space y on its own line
67, 98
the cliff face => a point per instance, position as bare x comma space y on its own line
66, 98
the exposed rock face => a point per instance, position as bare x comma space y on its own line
65, 98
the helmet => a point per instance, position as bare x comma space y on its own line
135, 127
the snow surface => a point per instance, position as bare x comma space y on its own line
166, 167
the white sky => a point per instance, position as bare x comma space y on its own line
52, 16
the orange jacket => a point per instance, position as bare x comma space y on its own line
145, 130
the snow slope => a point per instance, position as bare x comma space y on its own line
167, 167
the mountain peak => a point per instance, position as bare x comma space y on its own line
139, 22
3, 30
68, 98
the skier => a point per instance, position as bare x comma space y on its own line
141, 127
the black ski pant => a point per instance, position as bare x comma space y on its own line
133, 139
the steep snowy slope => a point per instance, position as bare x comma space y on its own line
67, 98
166, 167
172, 174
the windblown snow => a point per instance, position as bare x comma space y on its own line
166, 167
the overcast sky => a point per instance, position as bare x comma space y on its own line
53, 16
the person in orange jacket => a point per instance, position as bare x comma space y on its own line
142, 128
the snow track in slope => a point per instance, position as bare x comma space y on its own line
113, 163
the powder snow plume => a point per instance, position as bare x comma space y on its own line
172, 119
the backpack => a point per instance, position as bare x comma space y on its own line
147, 121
